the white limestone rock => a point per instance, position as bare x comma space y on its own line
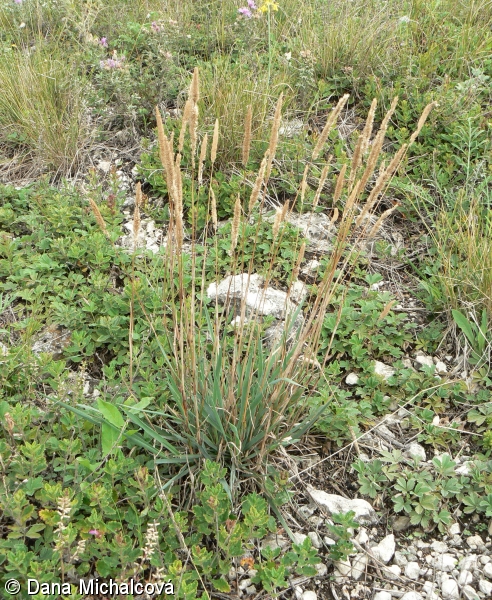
385, 550
359, 566
450, 589
332, 504
383, 370
412, 570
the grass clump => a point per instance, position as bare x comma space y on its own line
42, 119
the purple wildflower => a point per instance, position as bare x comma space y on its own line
245, 11
112, 63
18, 1
155, 27
104, 42
252, 5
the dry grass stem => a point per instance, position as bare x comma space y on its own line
247, 135
348, 209
422, 120
215, 142
386, 309
304, 183
300, 258
136, 213
339, 184
255, 192
334, 218
322, 180
329, 126
377, 145
383, 178
356, 161
379, 222
272, 146
236, 221
203, 155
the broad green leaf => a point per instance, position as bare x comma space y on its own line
465, 325
111, 413
109, 436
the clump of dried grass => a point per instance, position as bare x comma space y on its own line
189, 360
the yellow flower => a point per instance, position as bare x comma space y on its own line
268, 5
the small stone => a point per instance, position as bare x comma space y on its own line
104, 166
411, 596
454, 529
449, 589
469, 563
305, 510
384, 371
332, 503
469, 593
321, 569
343, 567
487, 568
329, 541
400, 559
424, 360
412, 570
401, 523
315, 539
445, 562
250, 590
362, 538
309, 595
485, 587
441, 367
415, 450
465, 578
465, 468
475, 541
382, 596
392, 572
438, 546
359, 566
244, 584
385, 549
351, 379
275, 541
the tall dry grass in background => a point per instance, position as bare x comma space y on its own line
42, 114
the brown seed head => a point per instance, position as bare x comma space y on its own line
332, 119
